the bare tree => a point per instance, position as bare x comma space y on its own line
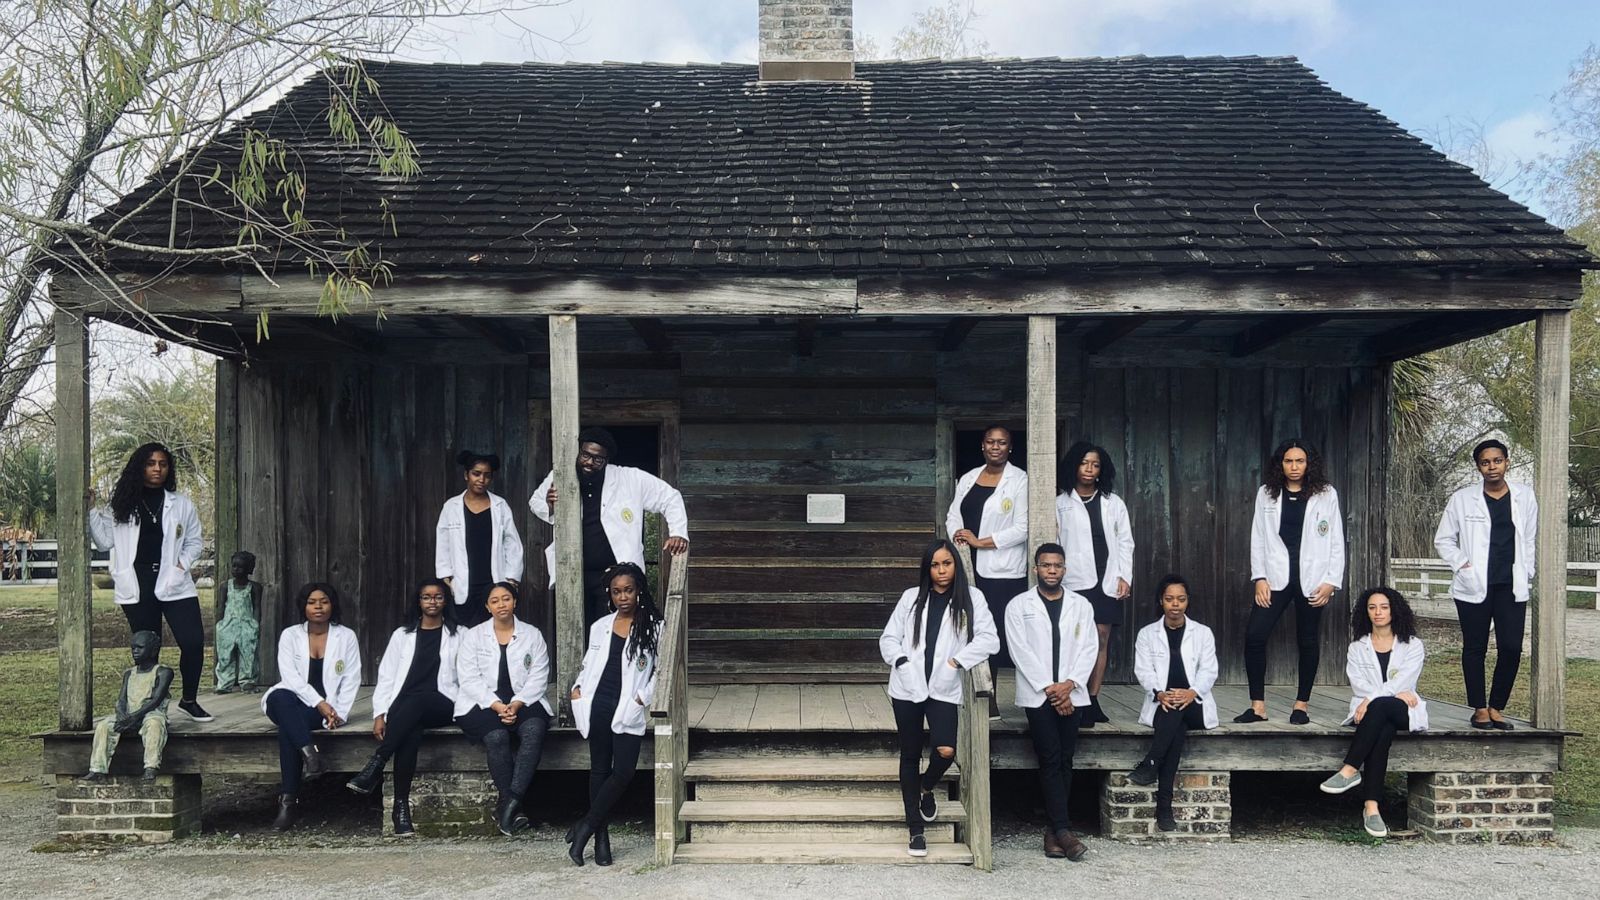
96, 97
945, 30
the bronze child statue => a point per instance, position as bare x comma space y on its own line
238, 625
142, 708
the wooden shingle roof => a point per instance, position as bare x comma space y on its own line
931, 167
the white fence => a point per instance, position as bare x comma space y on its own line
1429, 579
36, 564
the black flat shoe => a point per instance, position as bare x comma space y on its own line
1249, 716
1299, 717
1485, 725
1501, 725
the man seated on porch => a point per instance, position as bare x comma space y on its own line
614, 499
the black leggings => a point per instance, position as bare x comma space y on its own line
512, 751
613, 760
942, 719
1166, 748
1307, 623
1055, 739
404, 723
295, 721
998, 592
1509, 618
1369, 752
183, 617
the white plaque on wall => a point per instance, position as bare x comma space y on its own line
824, 509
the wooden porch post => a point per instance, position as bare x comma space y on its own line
570, 634
1553, 347
1041, 433
225, 485
74, 596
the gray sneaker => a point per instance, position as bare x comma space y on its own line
1338, 784
1374, 825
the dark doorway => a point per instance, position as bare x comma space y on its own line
638, 446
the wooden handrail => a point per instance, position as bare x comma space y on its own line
977, 684
674, 636
669, 711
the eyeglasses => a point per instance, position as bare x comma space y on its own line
433, 596
600, 458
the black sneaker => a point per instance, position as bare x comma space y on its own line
1165, 820
1144, 774
928, 806
919, 845
196, 711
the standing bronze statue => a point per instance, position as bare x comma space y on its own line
238, 626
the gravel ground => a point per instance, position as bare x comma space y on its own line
357, 868
1583, 626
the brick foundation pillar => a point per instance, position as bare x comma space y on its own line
1490, 807
128, 810
1202, 803
447, 804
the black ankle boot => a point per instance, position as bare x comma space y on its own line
401, 816
288, 812
510, 810
370, 778
581, 833
313, 763
602, 846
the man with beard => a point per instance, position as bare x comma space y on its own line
614, 499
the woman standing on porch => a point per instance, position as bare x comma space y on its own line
1094, 528
1383, 662
611, 699
1296, 539
989, 515
937, 629
476, 543
153, 533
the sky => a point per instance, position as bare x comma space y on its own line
1443, 70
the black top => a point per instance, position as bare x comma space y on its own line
597, 553
480, 540
611, 676
314, 677
1291, 522
1383, 662
502, 687
1502, 539
1053, 610
1097, 534
148, 509
938, 605
1177, 675
972, 512
423, 675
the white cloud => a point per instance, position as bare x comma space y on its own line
1521, 138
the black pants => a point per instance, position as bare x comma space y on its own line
404, 723
1055, 739
183, 617
942, 719
295, 722
1166, 748
1369, 752
998, 592
512, 751
613, 760
1307, 624
1509, 618
596, 604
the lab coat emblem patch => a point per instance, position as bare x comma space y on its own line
1322, 528
527, 660
642, 662
1005, 505
338, 667
627, 515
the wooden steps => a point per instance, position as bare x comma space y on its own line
826, 854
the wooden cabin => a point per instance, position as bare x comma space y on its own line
787, 294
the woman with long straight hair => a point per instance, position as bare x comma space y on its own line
611, 700
1296, 559
938, 628
476, 543
153, 533
416, 691
1098, 540
1384, 662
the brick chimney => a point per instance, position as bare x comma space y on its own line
807, 40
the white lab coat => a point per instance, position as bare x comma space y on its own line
181, 543
1152, 657
1005, 519
1077, 538
450, 545
1368, 682
1463, 537
628, 494
903, 636
1030, 637
638, 681
478, 667
1321, 542
341, 668
396, 664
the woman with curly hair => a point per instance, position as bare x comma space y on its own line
1296, 559
1384, 662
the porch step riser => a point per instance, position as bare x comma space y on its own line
796, 853
799, 790
812, 833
